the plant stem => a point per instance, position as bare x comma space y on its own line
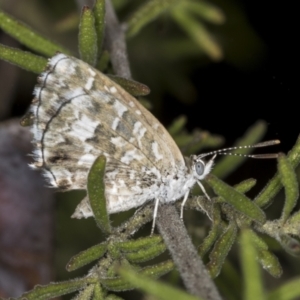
115, 42
190, 266
172, 229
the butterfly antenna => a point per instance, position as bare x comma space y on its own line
259, 145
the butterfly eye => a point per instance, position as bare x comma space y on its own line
199, 167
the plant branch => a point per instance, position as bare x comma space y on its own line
189, 264
115, 42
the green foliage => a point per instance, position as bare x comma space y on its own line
87, 256
288, 291
121, 284
28, 37
289, 181
182, 13
87, 37
132, 87
221, 248
152, 287
147, 13
191, 143
27, 60
251, 271
238, 200
96, 193
198, 33
274, 185
99, 15
53, 290
121, 260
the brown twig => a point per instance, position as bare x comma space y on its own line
172, 229
190, 266
115, 42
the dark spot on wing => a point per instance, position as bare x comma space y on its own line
123, 130
97, 107
63, 184
58, 156
51, 111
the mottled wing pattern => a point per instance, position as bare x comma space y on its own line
81, 114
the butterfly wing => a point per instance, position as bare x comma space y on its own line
81, 114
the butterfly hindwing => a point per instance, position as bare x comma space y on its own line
81, 114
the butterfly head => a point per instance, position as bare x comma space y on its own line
201, 167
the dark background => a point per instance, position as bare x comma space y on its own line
257, 79
268, 90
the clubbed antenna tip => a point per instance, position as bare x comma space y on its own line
266, 144
259, 145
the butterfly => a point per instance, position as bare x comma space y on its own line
80, 114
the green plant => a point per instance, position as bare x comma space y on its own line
231, 210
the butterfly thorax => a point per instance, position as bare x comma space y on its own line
175, 186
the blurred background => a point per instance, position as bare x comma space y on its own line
250, 74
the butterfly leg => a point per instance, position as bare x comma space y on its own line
154, 215
208, 215
203, 190
183, 203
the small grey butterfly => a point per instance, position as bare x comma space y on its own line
80, 114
